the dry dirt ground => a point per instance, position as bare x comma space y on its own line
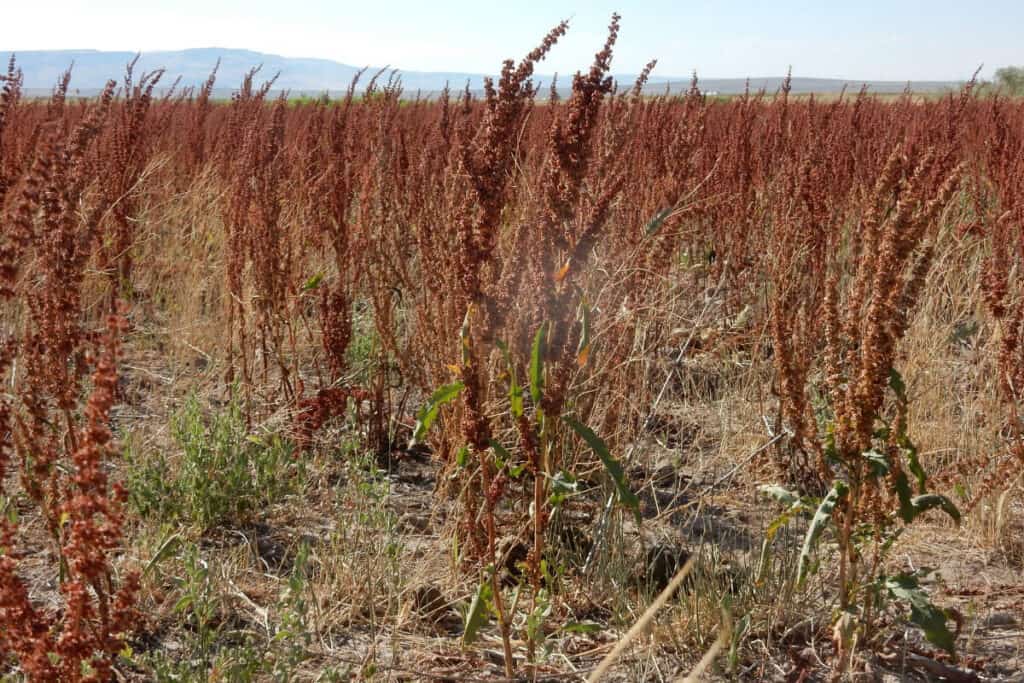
384, 599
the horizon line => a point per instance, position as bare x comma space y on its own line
480, 74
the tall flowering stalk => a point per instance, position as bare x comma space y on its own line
82, 642
859, 445
50, 233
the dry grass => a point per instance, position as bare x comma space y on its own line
381, 252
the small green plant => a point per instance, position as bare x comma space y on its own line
866, 511
199, 608
292, 633
225, 475
544, 446
214, 651
199, 603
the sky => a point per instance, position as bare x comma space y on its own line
863, 40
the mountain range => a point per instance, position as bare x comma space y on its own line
307, 76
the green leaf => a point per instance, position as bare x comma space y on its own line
535, 620
582, 627
902, 486
515, 399
479, 613
779, 493
878, 461
897, 385
899, 388
795, 505
929, 618
913, 464
167, 548
740, 630
313, 282
831, 452
930, 501
822, 518
429, 412
515, 391
614, 467
563, 485
183, 604
781, 521
657, 221
501, 455
462, 457
537, 366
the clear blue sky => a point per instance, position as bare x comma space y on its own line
869, 39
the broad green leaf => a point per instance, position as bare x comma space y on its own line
537, 366
878, 461
740, 630
911, 507
479, 613
429, 412
822, 518
902, 486
582, 627
929, 618
930, 501
614, 467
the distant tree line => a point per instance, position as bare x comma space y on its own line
1010, 79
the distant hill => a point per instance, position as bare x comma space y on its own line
92, 68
